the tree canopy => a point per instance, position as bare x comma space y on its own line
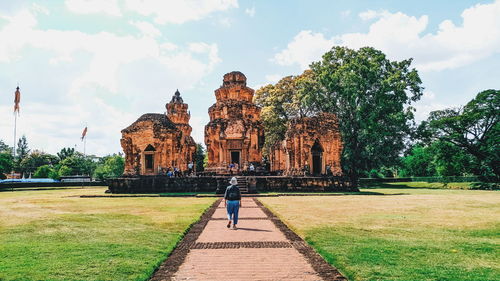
474, 128
286, 100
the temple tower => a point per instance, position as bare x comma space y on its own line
157, 142
235, 132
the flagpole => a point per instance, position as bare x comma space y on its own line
15, 130
84, 145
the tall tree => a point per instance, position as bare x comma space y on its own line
287, 99
22, 149
371, 97
65, 153
199, 157
475, 128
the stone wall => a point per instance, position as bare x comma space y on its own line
164, 184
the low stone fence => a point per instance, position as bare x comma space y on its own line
164, 184
218, 184
301, 184
10, 185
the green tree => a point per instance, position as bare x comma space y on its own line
4, 147
287, 99
44, 171
65, 153
110, 167
475, 128
31, 162
199, 157
371, 97
419, 162
78, 164
6, 164
22, 149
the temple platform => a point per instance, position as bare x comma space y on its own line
218, 184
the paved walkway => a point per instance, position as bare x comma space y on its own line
257, 250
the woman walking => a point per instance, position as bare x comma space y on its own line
232, 201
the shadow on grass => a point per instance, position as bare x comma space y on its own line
393, 186
329, 193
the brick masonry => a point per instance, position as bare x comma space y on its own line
260, 249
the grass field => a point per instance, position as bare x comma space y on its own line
55, 235
401, 234
419, 184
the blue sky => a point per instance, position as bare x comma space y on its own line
103, 63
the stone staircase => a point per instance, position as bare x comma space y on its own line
242, 184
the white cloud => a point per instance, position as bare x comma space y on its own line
273, 78
174, 11
146, 28
402, 36
345, 13
226, 22
40, 9
109, 7
250, 12
371, 14
305, 48
111, 80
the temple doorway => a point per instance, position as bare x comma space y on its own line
235, 157
149, 159
317, 158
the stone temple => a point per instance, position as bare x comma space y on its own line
234, 135
157, 142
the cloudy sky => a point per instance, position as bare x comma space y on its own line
103, 63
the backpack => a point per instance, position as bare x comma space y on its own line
233, 193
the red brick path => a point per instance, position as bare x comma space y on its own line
246, 263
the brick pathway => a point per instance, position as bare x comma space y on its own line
257, 250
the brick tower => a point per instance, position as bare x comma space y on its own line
235, 133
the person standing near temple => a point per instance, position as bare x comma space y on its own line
190, 167
232, 202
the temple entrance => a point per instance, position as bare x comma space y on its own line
235, 157
317, 158
149, 159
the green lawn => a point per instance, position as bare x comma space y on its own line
403, 234
55, 235
419, 184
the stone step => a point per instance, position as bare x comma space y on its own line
242, 184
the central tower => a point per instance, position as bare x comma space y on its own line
235, 133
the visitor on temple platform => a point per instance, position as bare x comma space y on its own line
232, 202
190, 167
251, 169
231, 168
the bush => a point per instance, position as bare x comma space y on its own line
43, 171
